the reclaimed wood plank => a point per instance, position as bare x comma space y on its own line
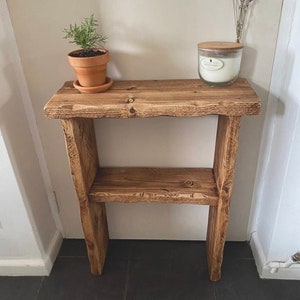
144, 99
224, 164
83, 159
172, 185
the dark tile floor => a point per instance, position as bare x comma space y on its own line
153, 270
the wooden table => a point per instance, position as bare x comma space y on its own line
142, 99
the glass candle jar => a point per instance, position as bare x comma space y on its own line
219, 62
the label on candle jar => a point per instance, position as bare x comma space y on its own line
215, 70
212, 64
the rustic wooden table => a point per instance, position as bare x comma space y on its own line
141, 99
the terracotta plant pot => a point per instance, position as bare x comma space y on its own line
91, 70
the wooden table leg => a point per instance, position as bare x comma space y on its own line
83, 158
224, 163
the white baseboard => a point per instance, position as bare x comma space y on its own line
52, 251
291, 273
31, 266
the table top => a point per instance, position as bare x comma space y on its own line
153, 98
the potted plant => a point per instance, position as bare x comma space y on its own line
89, 62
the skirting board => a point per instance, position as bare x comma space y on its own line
33, 267
291, 273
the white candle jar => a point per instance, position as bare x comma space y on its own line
219, 62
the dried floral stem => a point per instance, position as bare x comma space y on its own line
241, 12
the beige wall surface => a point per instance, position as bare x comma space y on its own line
147, 40
26, 223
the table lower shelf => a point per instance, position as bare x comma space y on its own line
160, 185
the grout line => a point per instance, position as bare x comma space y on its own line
126, 280
39, 288
214, 292
127, 272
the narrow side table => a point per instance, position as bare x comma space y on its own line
142, 99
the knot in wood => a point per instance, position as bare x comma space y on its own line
132, 110
131, 88
130, 100
189, 183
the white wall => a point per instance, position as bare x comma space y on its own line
276, 222
147, 40
16, 234
29, 239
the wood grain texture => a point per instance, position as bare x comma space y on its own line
83, 159
175, 185
142, 99
220, 45
224, 163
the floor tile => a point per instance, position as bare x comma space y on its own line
119, 248
77, 248
280, 289
19, 288
71, 279
169, 270
167, 249
142, 270
237, 250
147, 249
168, 279
73, 248
240, 280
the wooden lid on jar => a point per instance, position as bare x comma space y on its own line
220, 46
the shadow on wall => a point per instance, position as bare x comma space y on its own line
249, 54
156, 142
19, 142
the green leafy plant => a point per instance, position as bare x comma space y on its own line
85, 34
